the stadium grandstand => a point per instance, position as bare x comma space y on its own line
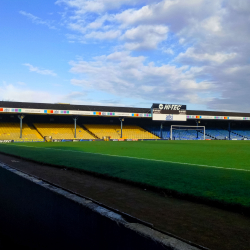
82, 187
22, 121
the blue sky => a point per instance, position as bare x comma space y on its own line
127, 53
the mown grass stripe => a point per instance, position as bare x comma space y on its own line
137, 158
161, 169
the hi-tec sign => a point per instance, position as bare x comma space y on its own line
168, 112
169, 106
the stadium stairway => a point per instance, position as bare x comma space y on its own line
34, 128
239, 135
152, 131
89, 132
100, 130
207, 136
219, 134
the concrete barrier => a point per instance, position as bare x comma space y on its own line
42, 216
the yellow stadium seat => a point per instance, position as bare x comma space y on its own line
62, 131
11, 131
114, 131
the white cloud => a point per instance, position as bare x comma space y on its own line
126, 76
99, 6
11, 92
212, 24
168, 51
77, 27
182, 40
205, 57
37, 20
40, 71
97, 23
177, 13
207, 39
111, 34
135, 38
145, 37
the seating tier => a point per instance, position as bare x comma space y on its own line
62, 131
114, 131
11, 131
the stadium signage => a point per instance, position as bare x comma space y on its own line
169, 106
28, 140
206, 117
5, 141
168, 112
72, 112
172, 112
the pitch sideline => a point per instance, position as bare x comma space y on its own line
137, 158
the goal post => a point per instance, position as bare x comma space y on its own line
187, 132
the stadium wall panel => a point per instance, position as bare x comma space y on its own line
42, 216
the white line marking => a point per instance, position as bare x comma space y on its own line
184, 163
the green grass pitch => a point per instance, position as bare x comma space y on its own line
210, 170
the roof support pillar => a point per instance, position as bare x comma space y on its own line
121, 120
75, 119
161, 130
21, 124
